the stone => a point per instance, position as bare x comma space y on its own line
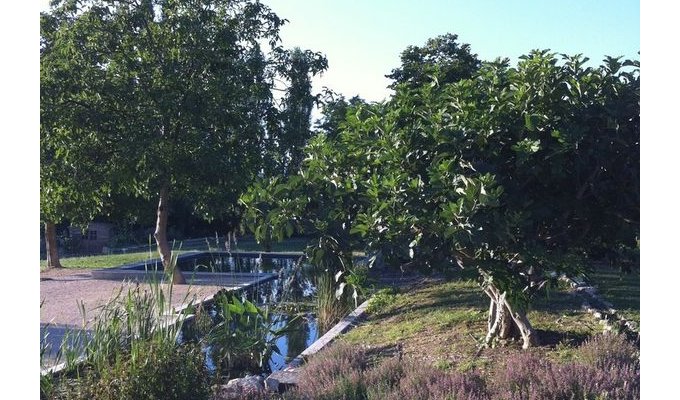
239, 387
272, 384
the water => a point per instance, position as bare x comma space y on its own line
287, 300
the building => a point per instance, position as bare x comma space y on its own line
94, 239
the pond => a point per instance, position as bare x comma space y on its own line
287, 300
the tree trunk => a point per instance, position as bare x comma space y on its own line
504, 323
51, 246
529, 338
162, 240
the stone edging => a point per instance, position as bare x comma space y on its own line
602, 310
288, 376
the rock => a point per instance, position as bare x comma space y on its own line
239, 388
272, 384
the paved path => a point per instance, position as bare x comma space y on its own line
61, 296
62, 293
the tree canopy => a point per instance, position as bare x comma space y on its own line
518, 173
442, 59
171, 96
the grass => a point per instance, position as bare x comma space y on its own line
102, 261
115, 260
443, 323
439, 323
621, 289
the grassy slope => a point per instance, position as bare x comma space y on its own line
442, 323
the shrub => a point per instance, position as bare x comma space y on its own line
157, 372
342, 373
385, 379
127, 356
425, 382
243, 337
527, 376
608, 351
334, 373
609, 370
382, 299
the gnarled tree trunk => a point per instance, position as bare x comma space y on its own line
162, 240
505, 322
51, 246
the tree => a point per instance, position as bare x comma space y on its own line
334, 110
297, 67
67, 193
520, 174
167, 96
72, 178
322, 200
442, 60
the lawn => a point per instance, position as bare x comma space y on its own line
621, 289
443, 322
103, 261
115, 260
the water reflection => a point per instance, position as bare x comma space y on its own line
286, 299
302, 331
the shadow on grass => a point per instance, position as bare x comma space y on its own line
619, 288
553, 338
452, 295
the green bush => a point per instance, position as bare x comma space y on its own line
382, 299
158, 372
127, 356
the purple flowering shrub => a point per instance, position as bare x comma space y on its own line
607, 367
335, 373
343, 373
607, 351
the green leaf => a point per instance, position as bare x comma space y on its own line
251, 308
527, 122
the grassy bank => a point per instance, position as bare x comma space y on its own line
622, 290
103, 261
442, 323
423, 341
115, 260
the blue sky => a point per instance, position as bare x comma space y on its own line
363, 39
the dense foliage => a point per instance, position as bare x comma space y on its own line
165, 99
521, 173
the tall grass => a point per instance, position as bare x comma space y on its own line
329, 307
137, 346
130, 350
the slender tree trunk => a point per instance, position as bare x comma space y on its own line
51, 246
162, 239
267, 240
